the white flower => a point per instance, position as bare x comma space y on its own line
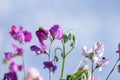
33, 74
98, 48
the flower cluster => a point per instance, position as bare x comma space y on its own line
22, 36
84, 72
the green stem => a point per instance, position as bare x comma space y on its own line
23, 66
112, 69
92, 69
49, 57
63, 61
23, 61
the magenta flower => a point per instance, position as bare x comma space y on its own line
42, 35
10, 76
18, 51
118, 51
98, 48
33, 74
56, 32
27, 36
14, 67
50, 65
20, 35
37, 50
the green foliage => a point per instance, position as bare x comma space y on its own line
81, 75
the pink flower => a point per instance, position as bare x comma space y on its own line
56, 32
33, 74
98, 48
14, 67
96, 78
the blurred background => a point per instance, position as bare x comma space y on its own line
89, 20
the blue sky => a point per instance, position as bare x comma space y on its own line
89, 20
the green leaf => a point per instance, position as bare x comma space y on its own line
65, 38
69, 36
56, 58
81, 75
74, 39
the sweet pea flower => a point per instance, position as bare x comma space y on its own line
102, 63
37, 50
14, 67
98, 48
86, 52
20, 35
8, 55
18, 51
118, 51
50, 65
56, 32
42, 35
10, 76
33, 74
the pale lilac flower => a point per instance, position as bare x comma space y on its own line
50, 65
56, 32
20, 35
102, 63
86, 52
10, 76
98, 48
33, 74
118, 51
96, 78
14, 67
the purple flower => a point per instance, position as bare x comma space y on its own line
14, 67
42, 35
56, 32
118, 67
20, 35
118, 51
10, 76
8, 55
50, 65
27, 36
37, 50
18, 51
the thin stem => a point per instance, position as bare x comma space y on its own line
23, 66
23, 61
112, 69
92, 69
70, 51
49, 57
63, 61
